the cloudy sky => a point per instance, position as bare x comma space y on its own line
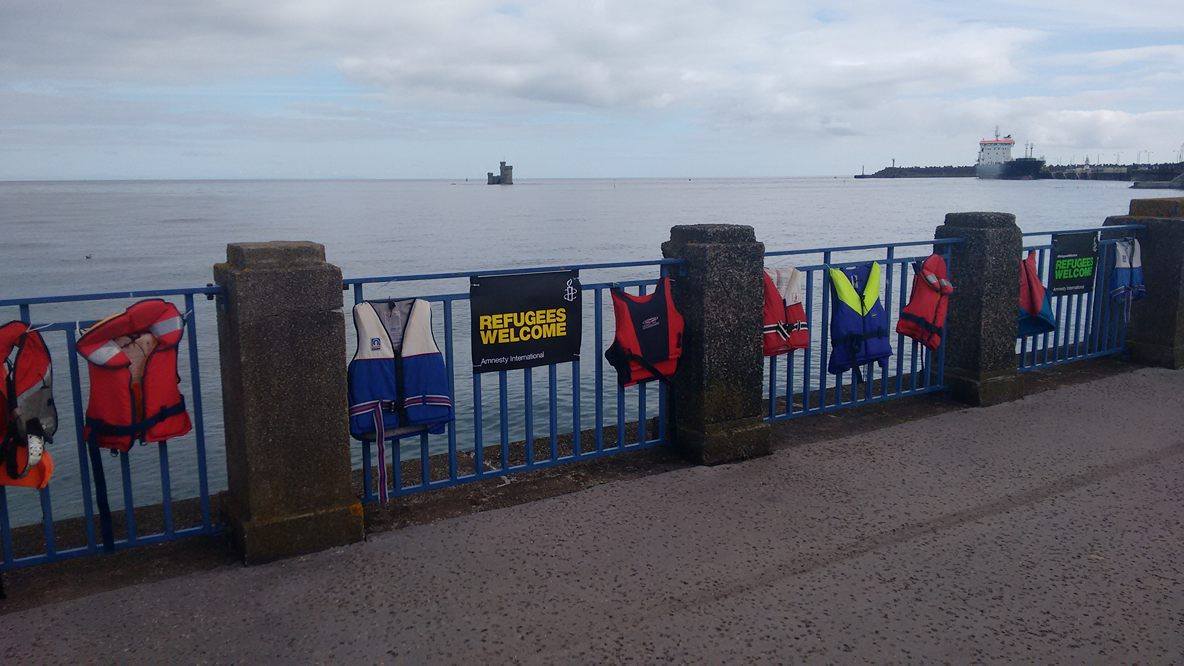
581, 88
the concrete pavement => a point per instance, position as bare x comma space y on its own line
1043, 530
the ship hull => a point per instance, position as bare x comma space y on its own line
1024, 168
988, 171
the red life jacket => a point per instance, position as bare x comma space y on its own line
29, 418
648, 340
925, 315
785, 317
134, 392
1035, 311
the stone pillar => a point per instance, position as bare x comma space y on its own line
1155, 335
281, 336
981, 367
715, 401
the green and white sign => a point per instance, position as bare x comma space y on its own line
1074, 263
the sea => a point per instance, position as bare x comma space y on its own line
61, 238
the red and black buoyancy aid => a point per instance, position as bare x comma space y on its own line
648, 340
29, 417
785, 327
925, 315
134, 385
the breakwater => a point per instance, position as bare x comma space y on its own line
922, 172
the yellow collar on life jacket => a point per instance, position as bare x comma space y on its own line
861, 303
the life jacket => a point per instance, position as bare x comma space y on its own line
1126, 280
925, 315
134, 386
785, 327
648, 340
858, 323
398, 382
1035, 312
29, 419
135, 390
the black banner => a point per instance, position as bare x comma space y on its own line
520, 321
1074, 262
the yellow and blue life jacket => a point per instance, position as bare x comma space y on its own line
858, 322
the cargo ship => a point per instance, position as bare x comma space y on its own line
995, 162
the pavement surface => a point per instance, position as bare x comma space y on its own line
1048, 529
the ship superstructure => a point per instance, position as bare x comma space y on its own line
992, 155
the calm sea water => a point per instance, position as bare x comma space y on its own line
76, 237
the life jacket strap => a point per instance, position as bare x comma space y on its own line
12, 435
920, 321
375, 409
658, 374
855, 339
96, 466
134, 430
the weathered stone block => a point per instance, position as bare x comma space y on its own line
282, 345
1167, 207
981, 324
716, 393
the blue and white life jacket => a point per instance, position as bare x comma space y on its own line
1126, 280
858, 323
398, 382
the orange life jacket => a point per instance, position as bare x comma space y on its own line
785, 327
29, 417
925, 315
648, 340
134, 386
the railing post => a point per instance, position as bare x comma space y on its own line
716, 393
281, 336
1155, 334
981, 367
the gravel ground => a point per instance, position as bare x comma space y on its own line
1043, 530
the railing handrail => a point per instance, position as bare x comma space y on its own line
1116, 227
586, 286
506, 271
873, 246
214, 290
209, 290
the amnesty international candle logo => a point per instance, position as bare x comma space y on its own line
520, 321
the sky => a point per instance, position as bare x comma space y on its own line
582, 88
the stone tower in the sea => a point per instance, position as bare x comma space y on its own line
504, 177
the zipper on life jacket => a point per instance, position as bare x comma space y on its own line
863, 316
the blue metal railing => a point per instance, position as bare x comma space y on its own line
476, 446
1088, 325
803, 387
75, 500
